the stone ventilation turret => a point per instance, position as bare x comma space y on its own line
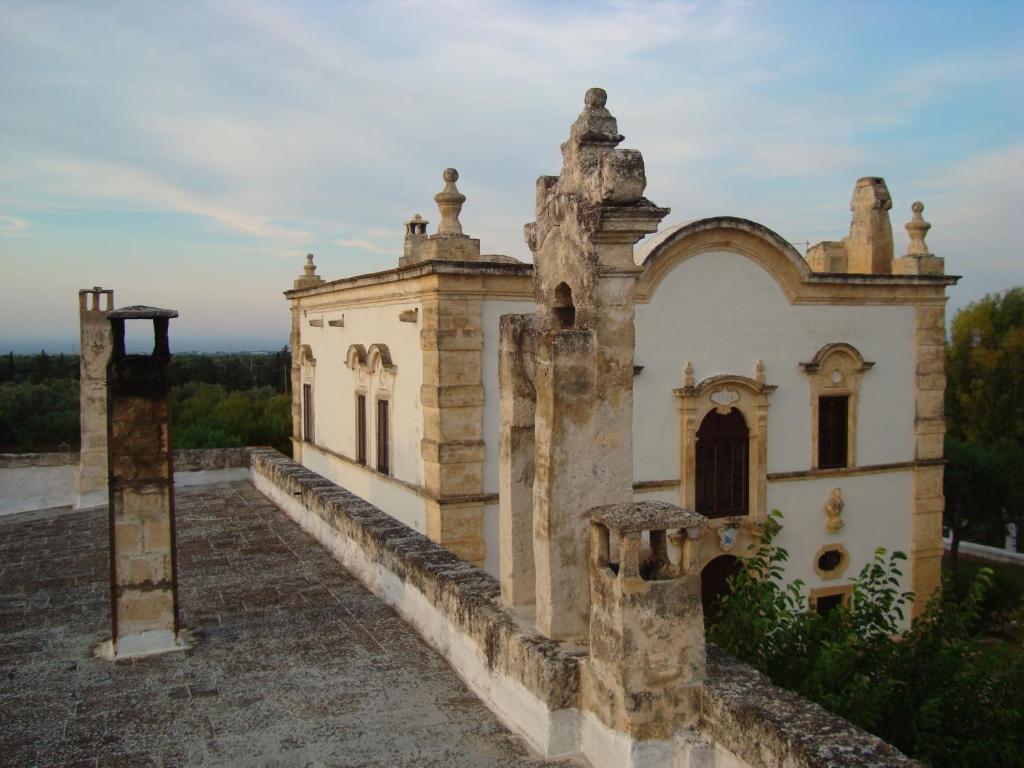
309, 277
918, 260
450, 243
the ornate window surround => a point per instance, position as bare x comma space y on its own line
723, 393
836, 370
374, 373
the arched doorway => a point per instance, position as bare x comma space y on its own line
714, 581
723, 465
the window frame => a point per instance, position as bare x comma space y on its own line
836, 370
308, 414
383, 435
361, 428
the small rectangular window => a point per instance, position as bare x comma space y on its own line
383, 449
361, 429
307, 413
832, 431
827, 603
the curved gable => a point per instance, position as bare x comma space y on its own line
721, 233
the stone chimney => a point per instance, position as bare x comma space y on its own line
94, 346
143, 569
647, 649
868, 248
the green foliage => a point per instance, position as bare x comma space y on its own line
985, 370
979, 487
219, 401
208, 416
39, 417
985, 417
938, 691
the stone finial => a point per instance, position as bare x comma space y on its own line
309, 277
688, 380
449, 201
759, 371
917, 228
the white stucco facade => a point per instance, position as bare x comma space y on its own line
336, 381
717, 298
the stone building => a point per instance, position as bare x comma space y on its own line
736, 377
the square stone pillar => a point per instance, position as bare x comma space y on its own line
94, 352
516, 459
565, 481
143, 575
647, 648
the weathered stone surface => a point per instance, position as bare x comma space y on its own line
634, 516
293, 663
769, 727
464, 593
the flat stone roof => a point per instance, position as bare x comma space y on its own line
294, 663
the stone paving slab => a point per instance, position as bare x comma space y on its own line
294, 662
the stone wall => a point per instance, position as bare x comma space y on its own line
533, 683
37, 481
30, 481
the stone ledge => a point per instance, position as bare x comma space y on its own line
768, 726
185, 460
465, 595
62, 459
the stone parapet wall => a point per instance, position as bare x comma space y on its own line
63, 459
533, 683
204, 459
30, 481
465, 596
763, 725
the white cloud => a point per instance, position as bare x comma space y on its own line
12, 226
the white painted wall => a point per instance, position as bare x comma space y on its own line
334, 393
722, 312
492, 311
402, 503
876, 513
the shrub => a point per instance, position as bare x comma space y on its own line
939, 691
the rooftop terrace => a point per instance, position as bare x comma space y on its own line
293, 662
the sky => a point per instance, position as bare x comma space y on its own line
188, 154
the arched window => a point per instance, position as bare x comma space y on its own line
723, 449
564, 308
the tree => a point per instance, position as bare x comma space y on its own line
977, 487
985, 415
985, 370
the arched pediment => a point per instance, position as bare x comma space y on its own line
379, 356
356, 356
722, 233
306, 354
837, 348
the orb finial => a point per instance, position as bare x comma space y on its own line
917, 228
449, 201
595, 98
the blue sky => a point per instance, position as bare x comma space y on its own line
188, 154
